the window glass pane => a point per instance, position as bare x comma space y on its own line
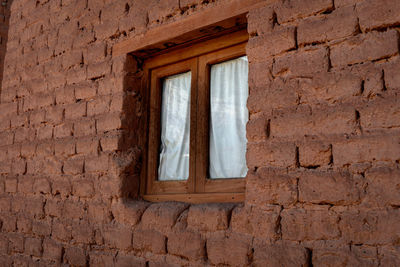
229, 115
175, 128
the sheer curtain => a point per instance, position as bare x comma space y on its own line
175, 128
229, 115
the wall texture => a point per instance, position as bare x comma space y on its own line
324, 140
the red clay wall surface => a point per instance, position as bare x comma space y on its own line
323, 187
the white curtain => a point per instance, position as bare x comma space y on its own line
229, 115
175, 128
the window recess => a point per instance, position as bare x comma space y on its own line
197, 122
193, 44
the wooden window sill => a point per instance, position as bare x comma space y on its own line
197, 198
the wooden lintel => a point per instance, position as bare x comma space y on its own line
191, 27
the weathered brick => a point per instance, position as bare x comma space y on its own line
52, 249
11, 185
267, 186
75, 111
279, 40
118, 237
290, 10
109, 186
35, 206
97, 70
280, 254
392, 80
61, 185
366, 149
71, 58
98, 106
61, 231
7, 138
311, 223
162, 216
238, 246
8, 109
64, 147
96, 52
163, 9
24, 225
110, 143
74, 209
21, 135
73, 165
18, 204
18, 166
63, 130
301, 62
331, 87
340, 23
271, 154
33, 246
149, 240
54, 114
16, 242
378, 14
177, 245
28, 150
100, 258
45, 149
41, 185
373, 118
25, 184
54, 208
41, 228
98, 212
97, 164
277, 94
383, 187
320, 121
5, 167
3, 245
126, 260
85, 91
260, 20
108, 122
65, 95
341, 3
390, 255
259, 221
82, 232
83, 188
370, 226
75, 256
338, 255
330, 188
209, 217
365, 47
87, 146
129, 212
84, 127
314, 154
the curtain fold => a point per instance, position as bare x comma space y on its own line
175, 128
229, 116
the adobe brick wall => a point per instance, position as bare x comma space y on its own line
323, 187
4, 18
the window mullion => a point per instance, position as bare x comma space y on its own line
193, 127
203, 115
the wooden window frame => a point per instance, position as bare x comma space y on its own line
197, 58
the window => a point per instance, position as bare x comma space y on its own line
197, 122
